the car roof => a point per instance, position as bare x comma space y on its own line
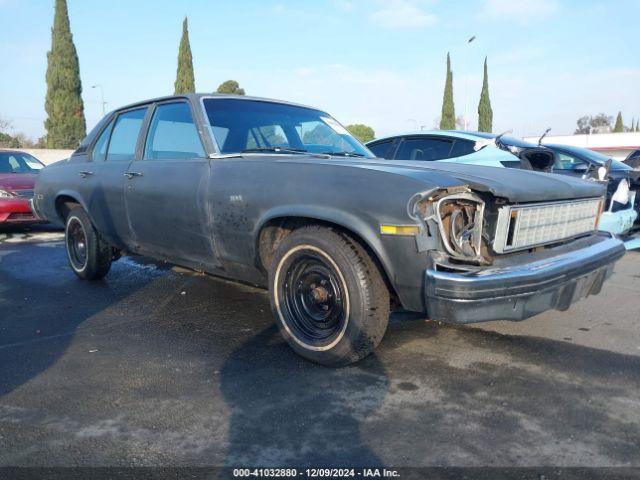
431, 133
196, 97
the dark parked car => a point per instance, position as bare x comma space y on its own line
633, 160
278, 194
582, 162
18, 172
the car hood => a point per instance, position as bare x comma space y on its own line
17, 181
513, 184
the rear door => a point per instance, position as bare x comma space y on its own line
103, 178
167, 189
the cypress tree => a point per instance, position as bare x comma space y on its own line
185, 81
448, 117
485, 113
619, 126
65, 123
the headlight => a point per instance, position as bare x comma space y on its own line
5, 194
459, 217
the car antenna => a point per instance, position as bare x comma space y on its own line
543, 135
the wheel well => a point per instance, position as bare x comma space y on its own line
64, 204
277, 229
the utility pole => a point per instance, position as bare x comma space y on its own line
101, 98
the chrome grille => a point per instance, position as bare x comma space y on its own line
525, 226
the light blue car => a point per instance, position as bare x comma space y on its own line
496, 151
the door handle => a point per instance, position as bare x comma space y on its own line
85, 173
130, 175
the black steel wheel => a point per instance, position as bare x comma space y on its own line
315, 297
76, 239
89, 255
328, 296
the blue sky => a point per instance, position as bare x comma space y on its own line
365, 61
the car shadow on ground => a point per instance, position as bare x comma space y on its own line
190, 370
39, 300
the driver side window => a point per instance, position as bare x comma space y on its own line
565, 161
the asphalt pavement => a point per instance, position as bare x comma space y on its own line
161, 366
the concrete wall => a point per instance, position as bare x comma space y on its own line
47, 155
616, 145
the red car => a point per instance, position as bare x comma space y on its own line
18, 172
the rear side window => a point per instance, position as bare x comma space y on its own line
173, 133
381, 149
461, 147
427, 149
99, 151
122, 146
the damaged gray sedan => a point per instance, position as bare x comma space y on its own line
281, 195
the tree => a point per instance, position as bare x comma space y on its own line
4, 124
619, 126
185, 81
231, 87
65, 123
362, 132
485, 113
598, 124
448, 117
8, 141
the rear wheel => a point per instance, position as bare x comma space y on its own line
328, 296
89, 255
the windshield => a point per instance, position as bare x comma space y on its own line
254, 126
18, 162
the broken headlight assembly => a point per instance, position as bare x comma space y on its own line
458, 218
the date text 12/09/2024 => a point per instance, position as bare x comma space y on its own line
315, 473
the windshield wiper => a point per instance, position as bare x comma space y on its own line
344, 154
295, 151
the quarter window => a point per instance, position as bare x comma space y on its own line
122, 146
173, 133
99, 151
427, 149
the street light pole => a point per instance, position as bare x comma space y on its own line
466, 82
101, 97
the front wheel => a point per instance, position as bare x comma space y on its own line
328, 296
89, 255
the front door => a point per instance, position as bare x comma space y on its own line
167, 190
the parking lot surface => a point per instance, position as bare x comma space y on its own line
161, 366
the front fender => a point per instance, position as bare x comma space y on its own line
366, 229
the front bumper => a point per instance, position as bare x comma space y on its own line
17, 210
517, 292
